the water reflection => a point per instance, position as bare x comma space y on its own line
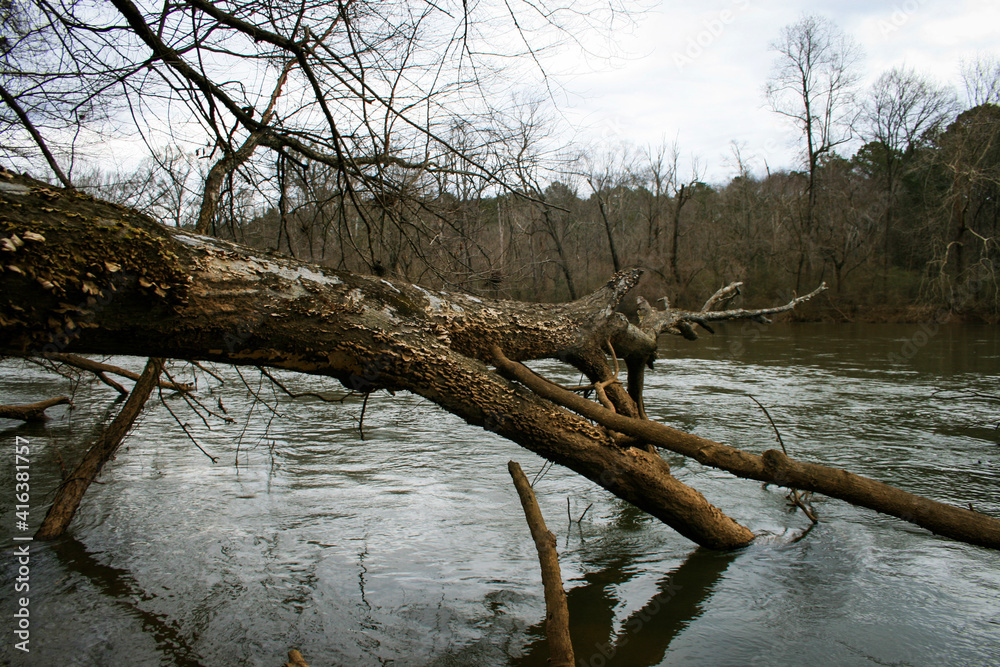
643, 638
119, 585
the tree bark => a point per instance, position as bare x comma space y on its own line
71, 491
556, 611
34, 412
105, 280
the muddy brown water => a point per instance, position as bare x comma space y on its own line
409, 547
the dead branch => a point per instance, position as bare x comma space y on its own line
637, 344
33, 412
99, 368
774, 466
677, 321
303, 394
71, 491
209, 371
795, 497
726, 294
196, 405
556, 611
184, 427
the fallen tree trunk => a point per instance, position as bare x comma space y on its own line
85, 276
90, 277
33, 412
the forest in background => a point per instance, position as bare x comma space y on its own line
895, 232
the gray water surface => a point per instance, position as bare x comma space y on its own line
409, 547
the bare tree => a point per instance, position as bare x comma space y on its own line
368, 90
967, 157
610, 176
981, 76
899, 112
813, 85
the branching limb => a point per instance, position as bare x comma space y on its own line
677, 321
197, 406
184, 427
637, 344
774, 466
99, 369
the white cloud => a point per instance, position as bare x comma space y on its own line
698, 71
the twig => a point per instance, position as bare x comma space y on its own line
546, 466
768, 415
304, 394
184, 427
256, 392
218, 377
795, 497
191, 399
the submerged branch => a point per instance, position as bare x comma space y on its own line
774, 466
556, 611
71, 491
34, 412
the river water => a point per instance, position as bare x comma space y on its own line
408, 547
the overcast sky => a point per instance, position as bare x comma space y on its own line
695, 72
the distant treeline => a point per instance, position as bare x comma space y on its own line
888, 229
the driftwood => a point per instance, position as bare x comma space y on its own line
71, 491
34, 412
775, 467
556, 611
